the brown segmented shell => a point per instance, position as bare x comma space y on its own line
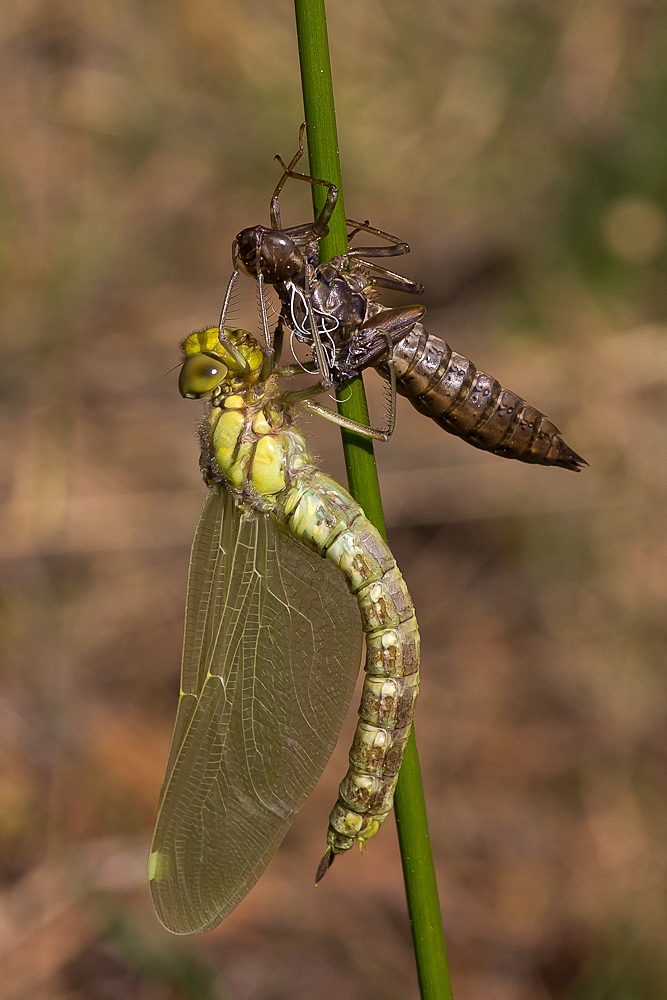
448, 388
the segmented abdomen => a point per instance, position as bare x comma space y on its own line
322, 515
448, 388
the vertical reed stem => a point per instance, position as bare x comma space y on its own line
418, 870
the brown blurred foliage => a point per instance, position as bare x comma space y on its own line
521, 148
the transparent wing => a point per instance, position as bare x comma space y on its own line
271, 653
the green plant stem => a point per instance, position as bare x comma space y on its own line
418, 870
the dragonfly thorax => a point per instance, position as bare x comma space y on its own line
248, 442
250, 445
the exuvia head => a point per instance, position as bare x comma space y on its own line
210, 362
280, 259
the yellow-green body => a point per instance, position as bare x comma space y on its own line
251, 445
252, 451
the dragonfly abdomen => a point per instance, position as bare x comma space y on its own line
322, 515
447, 387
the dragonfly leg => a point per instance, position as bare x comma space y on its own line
301, 395
267, 348
397, 248
391, 416
321, 225
305, 396
275, 203
222, 337
384, 278
288, 371
278, 337
377, 433
228, 294
318, 346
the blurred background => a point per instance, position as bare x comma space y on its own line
521, 148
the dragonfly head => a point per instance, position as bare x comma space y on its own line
209, 363
279, 258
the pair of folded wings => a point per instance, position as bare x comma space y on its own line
271, 653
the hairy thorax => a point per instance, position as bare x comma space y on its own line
250, 444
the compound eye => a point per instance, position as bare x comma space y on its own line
200, 374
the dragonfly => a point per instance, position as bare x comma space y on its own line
334, 308
286, 574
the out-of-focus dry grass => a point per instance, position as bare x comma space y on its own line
520, 148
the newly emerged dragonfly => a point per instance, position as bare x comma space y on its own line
334, 308
285, 574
